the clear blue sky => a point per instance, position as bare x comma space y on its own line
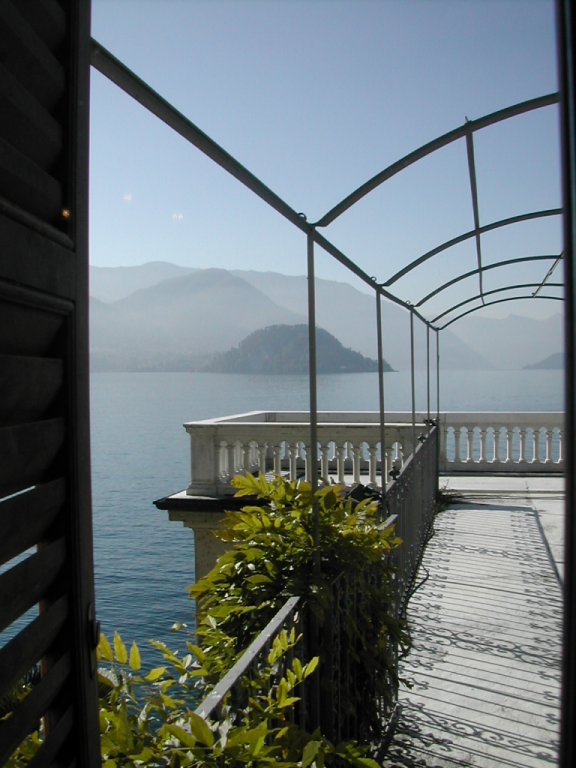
315, 97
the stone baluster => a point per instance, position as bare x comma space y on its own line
277, 458
484, 445
509, 435
230, 460
458, 445
253, 456
340, 458
494, 434
293, 459
242, 457
469, 445
262, 456
221, 460
324, 460
533, 445
546, 437
356, 460
373, 462
521, 444
227, 463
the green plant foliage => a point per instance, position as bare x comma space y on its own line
297, 542
293, 543
147, 720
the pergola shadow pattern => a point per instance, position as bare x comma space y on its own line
485, 663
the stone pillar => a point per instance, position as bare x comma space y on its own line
207, 548
204, 468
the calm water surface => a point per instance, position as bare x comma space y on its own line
140, 452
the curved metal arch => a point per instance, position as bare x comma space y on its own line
432, 146
473, 272
470, 234
497, 290
498, 301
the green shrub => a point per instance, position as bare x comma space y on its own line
294, 542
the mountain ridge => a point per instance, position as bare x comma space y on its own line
188, 315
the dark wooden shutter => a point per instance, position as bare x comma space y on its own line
46, 571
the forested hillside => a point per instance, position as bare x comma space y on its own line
284, 349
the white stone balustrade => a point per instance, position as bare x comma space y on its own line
349, 445
501, 442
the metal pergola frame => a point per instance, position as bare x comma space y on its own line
128, 81
103, 61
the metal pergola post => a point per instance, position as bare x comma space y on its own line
437, 376
412, 381
382, 414
566, 20
312, 375
428, 375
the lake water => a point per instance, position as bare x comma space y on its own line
140, 452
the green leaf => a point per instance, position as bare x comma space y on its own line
258, 578
134, 660
309, 753
311, 666
297, 667
105, 681
155, 674
288, 701
200, 729
120, 651
185, 738
104, 650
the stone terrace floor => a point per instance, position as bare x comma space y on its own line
486, 627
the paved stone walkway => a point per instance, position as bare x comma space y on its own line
486, 623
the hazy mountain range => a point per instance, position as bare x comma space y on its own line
160, 316
551, 362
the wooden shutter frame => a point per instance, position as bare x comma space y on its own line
48, 264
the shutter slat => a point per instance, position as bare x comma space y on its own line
26, 125
26, 649
47, 19
28, 454
26, 185
45, 757
27, 583
37, 250
29, 59
27, 715
29, 387
25, 519
29, 330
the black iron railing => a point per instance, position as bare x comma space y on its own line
289, 615
411, 497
